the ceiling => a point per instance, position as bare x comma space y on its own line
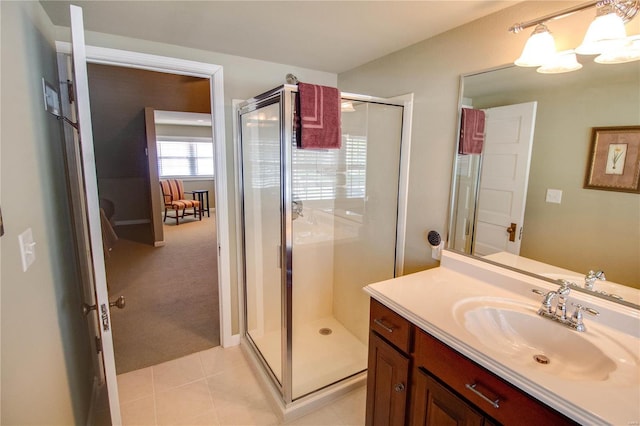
332, 36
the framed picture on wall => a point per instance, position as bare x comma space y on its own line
614, 159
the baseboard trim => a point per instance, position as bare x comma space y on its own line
131, 222
233, 340
159, 243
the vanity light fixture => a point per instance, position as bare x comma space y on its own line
561, 62
628, 53
605, 34
347, 106
605, 37
540, 48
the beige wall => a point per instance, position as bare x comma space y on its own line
47, 371
431, 70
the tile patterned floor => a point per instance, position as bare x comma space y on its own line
215, 387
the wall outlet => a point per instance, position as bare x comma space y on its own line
27, 249
554, 196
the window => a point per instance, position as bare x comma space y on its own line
330, 174
186, 158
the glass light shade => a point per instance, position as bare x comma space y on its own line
562, 62
539, 48
629, 53
347, 106
605, 34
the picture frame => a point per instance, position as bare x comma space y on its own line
614, 159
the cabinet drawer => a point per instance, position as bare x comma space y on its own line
515, 407
390, 325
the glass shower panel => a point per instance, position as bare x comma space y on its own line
344, 239
262, 231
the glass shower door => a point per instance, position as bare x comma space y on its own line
262, 225
344, 237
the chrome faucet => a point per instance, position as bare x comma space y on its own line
546, 308
591, 277
558, 312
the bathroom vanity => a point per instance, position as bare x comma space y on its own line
463, 344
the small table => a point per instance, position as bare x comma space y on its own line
200, 194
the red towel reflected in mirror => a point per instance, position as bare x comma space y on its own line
471, 131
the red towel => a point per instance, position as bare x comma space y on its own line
319, 116
471, 131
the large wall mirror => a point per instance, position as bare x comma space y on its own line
532, 191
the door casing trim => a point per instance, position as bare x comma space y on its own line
130, 59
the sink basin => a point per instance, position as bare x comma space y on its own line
515, 331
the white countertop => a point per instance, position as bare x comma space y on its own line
431, 299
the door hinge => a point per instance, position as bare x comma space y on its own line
70, 93
146, 152
98, 345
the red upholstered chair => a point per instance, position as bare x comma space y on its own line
174, 199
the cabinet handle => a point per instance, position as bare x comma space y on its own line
399, 387
387, 328
472, 388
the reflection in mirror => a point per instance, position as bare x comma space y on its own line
526, 185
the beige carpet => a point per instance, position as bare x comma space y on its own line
171, 294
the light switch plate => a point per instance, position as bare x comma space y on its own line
27, 249
554, 196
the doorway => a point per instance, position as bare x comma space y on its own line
168, 278
84, 192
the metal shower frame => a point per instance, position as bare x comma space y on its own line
285, 96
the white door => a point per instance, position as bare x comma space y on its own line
81, 85
506, 156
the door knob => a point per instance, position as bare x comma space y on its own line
512, 232
119, 303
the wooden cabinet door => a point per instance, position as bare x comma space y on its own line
435, 405
387, 385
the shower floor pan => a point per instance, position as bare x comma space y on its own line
319, 359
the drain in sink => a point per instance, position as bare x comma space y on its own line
541, 359
325, 331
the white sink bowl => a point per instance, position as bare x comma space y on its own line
515, 331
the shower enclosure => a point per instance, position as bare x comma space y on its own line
318, 225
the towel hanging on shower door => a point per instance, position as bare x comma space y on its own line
319, 114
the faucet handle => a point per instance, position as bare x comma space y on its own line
580, 308
564, 283
564, 289
576, 318
536, 291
